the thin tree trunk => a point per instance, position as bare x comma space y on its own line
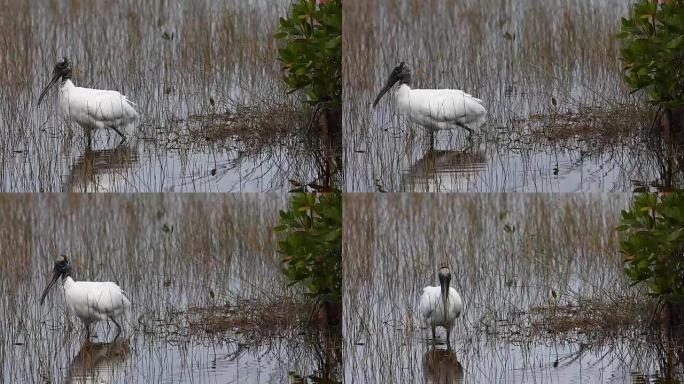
672, 331
330, 125
672, 129
330, 314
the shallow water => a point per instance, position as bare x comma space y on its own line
507, 253
175, 60
170, 253
524, 59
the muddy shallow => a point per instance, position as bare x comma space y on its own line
540, 276
175, 61
175, 255
525, 59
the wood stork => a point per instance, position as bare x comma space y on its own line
91, 108
91, 301
434, 108
440, 306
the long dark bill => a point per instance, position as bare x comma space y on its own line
445, 296
55, 277
54, 80
390, 82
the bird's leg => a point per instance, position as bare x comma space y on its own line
469, 139
123, 137
89, 137
118, 328
432, 139
470, 142
87, 329
448, 342
470, 130
122, 144
434, 336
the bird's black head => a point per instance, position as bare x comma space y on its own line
61, 71
401, 74
62, 269
62, 266
444, 274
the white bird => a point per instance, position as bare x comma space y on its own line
440, 308
434, 108
91, 108
91, 301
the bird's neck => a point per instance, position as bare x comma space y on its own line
403, 96
404, 87
67, 84
67, 280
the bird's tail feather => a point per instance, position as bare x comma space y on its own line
128, 309
132, 104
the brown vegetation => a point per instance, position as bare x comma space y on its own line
605, 125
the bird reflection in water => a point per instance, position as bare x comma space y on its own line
441, 366
98, 362
101, 170
442, 170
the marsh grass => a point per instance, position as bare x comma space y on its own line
524, 59
173, 59
194, 254
258, 127
591, 320
540, 277
594, 131
252, 319
588, 123
239, 128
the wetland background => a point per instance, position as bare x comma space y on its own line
561, 118
210, 303
545, 295
215, 113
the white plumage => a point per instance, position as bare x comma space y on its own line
441, 306
432, 307
94, 301
92, 108
441, 108
90, 301
96, 109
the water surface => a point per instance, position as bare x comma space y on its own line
179, 62
175, 255
532, 62
528, 267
